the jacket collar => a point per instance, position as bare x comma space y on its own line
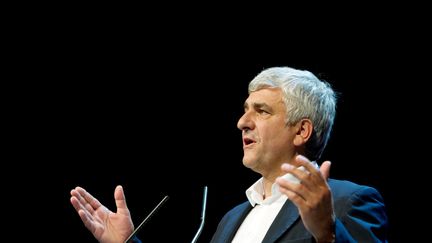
283, 221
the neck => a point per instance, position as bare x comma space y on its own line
267, 186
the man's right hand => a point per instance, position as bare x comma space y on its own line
105, 225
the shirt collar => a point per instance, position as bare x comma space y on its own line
255, 193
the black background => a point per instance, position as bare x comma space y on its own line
154, 106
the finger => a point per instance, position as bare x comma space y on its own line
300, 173
287, 189
316, 177
88, 198
120, 199
325, 169
290, 189
80, 195
82, 211
293, 197
76, 203
301, 160
87, 220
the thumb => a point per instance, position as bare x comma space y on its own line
120, 199
325, 169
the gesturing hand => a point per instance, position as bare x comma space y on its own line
105, 225
312, 196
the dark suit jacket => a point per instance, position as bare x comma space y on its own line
360, 217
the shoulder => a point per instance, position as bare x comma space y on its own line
360, 209
350, 193
342, 188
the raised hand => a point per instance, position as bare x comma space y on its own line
105, 225
312, 196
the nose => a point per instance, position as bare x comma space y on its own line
245, 122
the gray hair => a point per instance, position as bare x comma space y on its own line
305, 96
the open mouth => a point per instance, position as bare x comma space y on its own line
248, 141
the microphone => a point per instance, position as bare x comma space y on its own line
203, 210
146, 219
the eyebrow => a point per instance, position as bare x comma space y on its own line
258, 105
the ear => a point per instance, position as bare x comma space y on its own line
304, 130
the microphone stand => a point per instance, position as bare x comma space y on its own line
202, 216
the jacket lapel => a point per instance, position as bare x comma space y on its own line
285, 218
234, 223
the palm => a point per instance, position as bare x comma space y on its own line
105, 225
112, 227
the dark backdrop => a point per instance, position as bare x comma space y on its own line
154, 108
168, 127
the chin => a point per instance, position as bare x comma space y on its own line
248, 163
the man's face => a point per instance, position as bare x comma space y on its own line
267, 141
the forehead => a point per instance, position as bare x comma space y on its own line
267, 95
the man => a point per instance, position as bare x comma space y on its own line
286, 125
287, 122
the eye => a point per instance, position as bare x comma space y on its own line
262, 111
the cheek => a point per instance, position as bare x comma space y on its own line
282, 138
272, 130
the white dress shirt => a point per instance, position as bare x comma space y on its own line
264, 211
259, 219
